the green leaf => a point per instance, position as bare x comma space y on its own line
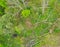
3, 3
19, 28
25, 13
1, 45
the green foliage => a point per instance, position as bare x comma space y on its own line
25, 13
2, 3
19, 29
32, 27
2, 12
1, 45
2, 7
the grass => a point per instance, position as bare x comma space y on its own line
29, 23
